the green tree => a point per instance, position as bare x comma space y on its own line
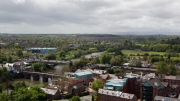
61, 55
41, 94
162, 68
117, 70
24, 94
9, 59
110, 71
2, 58
97, 84
75, 98
5, 76
28, 94
80, 63
4, 97
118, 52
173, 70
1, 88
20, 84
38, 67
19, 53
116, 61
95, 60
50, 56
105, 58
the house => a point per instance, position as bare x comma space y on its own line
78, 82
173, 88
153, 65
52, 93
108, 95
76, 89
96, 73
151, 88
15, 67
145, 64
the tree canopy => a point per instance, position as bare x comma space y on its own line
4, 97
75, 98
38, 67
105, 58
116, 61
97, 84
34, 93
162, 67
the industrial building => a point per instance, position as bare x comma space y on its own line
42, 50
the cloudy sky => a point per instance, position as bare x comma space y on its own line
89, 16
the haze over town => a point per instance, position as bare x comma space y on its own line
90, 16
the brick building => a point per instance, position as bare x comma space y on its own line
161, 98
151, 88
78, 82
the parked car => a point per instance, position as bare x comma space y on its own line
122, 67
107, 65
131, 68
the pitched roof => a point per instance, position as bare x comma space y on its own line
165, 84
161, 98
50, 91
155, 83
170, 77
173, 86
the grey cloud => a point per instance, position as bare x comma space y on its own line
103, 16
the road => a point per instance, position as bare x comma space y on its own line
134, 68
150, 69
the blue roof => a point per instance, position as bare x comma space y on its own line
114, 83
146, 84
85, 74
111, 88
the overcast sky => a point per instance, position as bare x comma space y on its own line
89, 16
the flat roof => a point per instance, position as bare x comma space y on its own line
161, 98
116, 93
116, 82
41, 48
83, 73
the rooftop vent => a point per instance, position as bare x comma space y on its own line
155, 83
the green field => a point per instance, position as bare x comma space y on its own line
135, 52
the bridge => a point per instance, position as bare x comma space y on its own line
55, 62
40, 76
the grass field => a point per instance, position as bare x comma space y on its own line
135, 52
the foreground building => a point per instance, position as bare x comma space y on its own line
108, 95
52, 93
78, 82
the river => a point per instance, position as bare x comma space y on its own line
56, 70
